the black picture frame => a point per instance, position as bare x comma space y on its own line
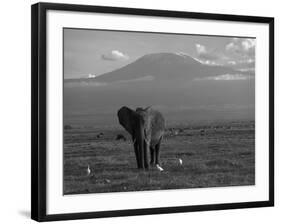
39, 107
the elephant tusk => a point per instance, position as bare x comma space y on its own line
134, 141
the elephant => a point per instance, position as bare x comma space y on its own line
147, 127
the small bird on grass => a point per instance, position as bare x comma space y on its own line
159, 168
88, 170
107, 181
180, 161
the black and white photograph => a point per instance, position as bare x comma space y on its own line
140, 111
147, 111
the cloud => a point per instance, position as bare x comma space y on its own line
251, 69
84, 83
226, 77
114, 55
201, 49
183, 54
238, 53
93, 83
242, 65
90, 76
242, 46
242, 53
231, 62
208, 62
144, 78
202, 61
205, 53
250, 62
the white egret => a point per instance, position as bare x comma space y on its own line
180, 161
159, 167
88, 170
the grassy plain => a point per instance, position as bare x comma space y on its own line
216, 154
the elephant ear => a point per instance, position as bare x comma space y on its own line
126, 118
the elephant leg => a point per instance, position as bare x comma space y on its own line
157, 151
137, 154
146, 149
152, 155
141, 154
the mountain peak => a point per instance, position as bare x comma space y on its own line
168, 57
163, 66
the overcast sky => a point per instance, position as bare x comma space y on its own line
94, 52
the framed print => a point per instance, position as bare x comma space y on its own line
138, 111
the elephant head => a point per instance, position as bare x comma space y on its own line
146, 127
